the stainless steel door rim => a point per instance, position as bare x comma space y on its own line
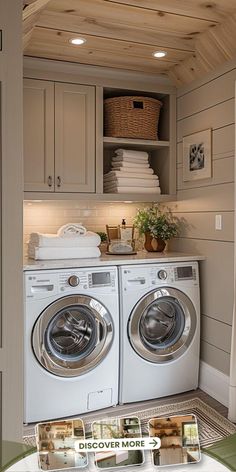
72, 335
162, 325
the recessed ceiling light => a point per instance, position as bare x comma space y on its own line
159, 54
77, 41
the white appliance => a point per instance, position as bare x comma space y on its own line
71, 352
160, 330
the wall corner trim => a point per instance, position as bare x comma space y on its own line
215, 383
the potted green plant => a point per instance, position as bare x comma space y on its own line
103, 244
157, 225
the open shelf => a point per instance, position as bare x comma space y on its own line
110, 142
105, 197
161, 151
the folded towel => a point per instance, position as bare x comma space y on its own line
122, 182
41, 253
131, 153
71, 230
116, 189
141, 160
126, 168
113, 174
89, 239
130, 164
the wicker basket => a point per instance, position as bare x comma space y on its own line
132, 117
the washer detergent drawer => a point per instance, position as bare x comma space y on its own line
41, 286
100, 399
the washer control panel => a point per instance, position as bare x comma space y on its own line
41, 284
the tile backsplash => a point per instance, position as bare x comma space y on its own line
48, 216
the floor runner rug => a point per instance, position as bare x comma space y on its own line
212, 426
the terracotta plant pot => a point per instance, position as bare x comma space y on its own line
154, 244
103, 247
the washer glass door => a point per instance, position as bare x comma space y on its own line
72, 335
162, 325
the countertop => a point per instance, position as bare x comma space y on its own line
141, 257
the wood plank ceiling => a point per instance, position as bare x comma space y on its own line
196, 35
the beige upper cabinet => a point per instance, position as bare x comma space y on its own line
59, 137
38, 135
74, 138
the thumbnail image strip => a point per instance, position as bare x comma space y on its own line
56, 444
179, 440
117, 428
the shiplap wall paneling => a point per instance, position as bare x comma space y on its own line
216, 333
201, 225
215, 117
215, 357
210, 94
222, 144
210, 105
222, 173
216, 294
213, 198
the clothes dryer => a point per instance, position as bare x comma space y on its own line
160, 330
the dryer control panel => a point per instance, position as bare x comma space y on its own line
144, 276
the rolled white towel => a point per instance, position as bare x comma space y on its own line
90, 239
71, 230
131, 153
44, 253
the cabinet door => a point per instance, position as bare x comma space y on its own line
74, 138
38, 135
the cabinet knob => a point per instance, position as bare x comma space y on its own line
58, 181
50, 181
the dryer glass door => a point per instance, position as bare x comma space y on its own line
72, 335
162, 325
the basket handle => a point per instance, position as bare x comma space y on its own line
138, 104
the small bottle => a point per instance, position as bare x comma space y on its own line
123, 223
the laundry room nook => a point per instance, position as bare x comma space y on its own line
117, 279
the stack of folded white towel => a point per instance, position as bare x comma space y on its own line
131, 173
72, 241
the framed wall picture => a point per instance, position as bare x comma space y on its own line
197, 156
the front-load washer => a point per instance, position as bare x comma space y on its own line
160, 330
71, 353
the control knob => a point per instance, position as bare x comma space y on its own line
162, 274
73, 281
